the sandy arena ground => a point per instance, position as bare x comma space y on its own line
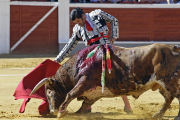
104, 109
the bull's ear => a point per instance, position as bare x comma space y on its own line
51, 81
41, 83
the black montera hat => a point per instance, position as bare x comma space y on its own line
76, 13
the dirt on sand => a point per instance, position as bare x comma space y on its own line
11, 73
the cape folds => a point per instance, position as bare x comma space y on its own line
45, 69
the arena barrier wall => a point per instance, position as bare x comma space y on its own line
139, 24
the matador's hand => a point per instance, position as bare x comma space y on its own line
55, 61
112, 39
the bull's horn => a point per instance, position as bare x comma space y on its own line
41, 83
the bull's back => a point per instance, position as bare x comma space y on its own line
141, 62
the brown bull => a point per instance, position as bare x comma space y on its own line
134, 71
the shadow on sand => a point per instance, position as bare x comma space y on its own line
102, 116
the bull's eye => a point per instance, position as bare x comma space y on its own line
49, 92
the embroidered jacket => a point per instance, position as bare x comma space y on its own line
97, 20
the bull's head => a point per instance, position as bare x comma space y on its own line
54, 94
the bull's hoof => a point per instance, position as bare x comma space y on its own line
157, 115
87, 111
61, 114
177, 118
130, 112
78, 112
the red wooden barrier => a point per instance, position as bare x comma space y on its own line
44, 39
135, 24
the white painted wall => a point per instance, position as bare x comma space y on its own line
63, 16
4, 26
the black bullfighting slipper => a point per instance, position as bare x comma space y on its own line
130, 112
87, 111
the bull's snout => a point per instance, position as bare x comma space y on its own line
54, 111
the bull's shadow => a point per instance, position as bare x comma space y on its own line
101, 116
89, 116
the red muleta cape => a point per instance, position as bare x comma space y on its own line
45, 69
